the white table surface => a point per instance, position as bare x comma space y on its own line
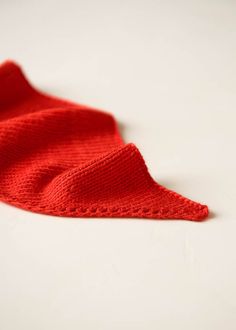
167, 71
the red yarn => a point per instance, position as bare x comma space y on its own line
66, 159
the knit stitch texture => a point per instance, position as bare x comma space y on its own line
66, 159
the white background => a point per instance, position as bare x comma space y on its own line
167, 71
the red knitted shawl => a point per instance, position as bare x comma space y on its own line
66, 159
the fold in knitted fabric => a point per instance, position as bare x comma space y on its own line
66, 159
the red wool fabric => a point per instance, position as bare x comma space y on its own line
66, 159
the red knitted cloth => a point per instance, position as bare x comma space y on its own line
66, 159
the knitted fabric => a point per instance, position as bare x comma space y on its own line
65, 159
